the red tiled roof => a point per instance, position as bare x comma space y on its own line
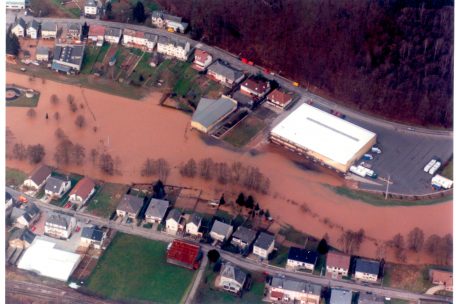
183, 252
280, 97
440, 276
338, 260
258, 86
97, 30
276, 294
201, 55
83, 188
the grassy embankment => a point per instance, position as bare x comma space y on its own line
242, 133
107, 198
14, 177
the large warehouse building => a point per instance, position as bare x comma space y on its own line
330, 140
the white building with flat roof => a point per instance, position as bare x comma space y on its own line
43, 259
330, 140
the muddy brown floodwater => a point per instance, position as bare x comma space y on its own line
134, 130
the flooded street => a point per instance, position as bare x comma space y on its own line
135, 130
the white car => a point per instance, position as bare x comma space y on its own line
376, 150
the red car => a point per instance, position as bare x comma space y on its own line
78, 228
33, 228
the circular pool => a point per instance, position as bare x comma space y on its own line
12, 93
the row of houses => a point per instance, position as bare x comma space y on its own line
34, 29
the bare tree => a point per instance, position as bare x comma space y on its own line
80, 121
351, 241
415, 239
72, 103
31, 113
162, 169
205, 168
19, 151
432, 244
398, 244
70, 98
56, 115
63, 152
223, 173
94, 156
106, 163
35, 153
236, 169
189, 169
149, 168
78, 154
60, 134
54, 99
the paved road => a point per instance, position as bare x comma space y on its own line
236, 259
197, 281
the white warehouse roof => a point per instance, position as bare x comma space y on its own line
42, 258
310, 128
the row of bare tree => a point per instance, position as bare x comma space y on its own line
33, 153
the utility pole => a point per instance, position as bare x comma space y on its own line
387, 187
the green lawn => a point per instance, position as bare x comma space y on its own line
242, 133
448, 170
90, 57
281, 258
134, 268
14, 177
378, 200
208, 294
294, 235
24, 101
73, 12
103, 50
105, 201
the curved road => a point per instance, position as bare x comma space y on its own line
236, 259
234, 61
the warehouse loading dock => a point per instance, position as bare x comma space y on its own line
330, 140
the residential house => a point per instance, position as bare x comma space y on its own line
174, 222
49, 30
370, 298
26, 217
59, 226
151, 41
441, 277
92, 236
232, 278
68, 58
255, 87
162, 20
56, 187
279, 99
301, 259
33, 29
134, 38
156, 210
264, 245
19, 27
42, 53
112, 35
129, 206
97, 34
90, 8
202, 60
74, 31
21, 238
341, 296
221, 231
193, 225
337, 264
224, 73
8, 200
81, 193
290, 290
243, 237
176, 48
184, 254
367, 270
17, 4
38, 178
211, 112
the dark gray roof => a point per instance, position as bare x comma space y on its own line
227, 71
40, 174
92, 233
33, 24
245, 234
302, 255
233, 272
8, 196
42, 50
74, 26
220, 228
49, 26
16, 213
367, 266
295, 285
113, 31
16, 234
54, 183
28, 236
195, 219
58, 219
341, 296
209, 111
369, 298
264, 240
32, 210
151, 37
157, 208
90, 3
174, 214
69, 53
172, 18
130, 203
21, 22
174, 42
